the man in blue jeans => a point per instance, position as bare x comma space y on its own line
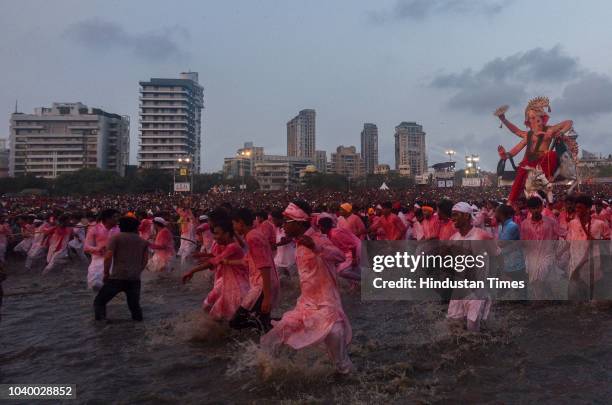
127, 253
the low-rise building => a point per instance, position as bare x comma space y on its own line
444, 174
243, 164
382, 169
67, 137
347, 162
277, 173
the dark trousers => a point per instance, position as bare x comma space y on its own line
243, 318
131, 288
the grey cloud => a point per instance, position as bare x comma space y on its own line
487, 96
455, 80
588, 97
423, 9
536, 64
101, 35
505, 80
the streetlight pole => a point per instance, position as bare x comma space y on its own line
450, 154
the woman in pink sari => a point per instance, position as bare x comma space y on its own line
318, 316
231, 280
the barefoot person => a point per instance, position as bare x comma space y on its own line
128, 255
318, 316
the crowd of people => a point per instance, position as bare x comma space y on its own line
251, 240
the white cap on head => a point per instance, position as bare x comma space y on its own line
160, 220
463, 207
203, 217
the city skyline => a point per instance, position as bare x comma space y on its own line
429, 62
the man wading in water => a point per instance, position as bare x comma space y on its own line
127, 253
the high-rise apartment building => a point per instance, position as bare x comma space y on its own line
410, 153
369, 147
67, 137
301, 135
171, 121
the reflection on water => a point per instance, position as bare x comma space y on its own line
403, 351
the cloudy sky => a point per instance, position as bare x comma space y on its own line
446, 64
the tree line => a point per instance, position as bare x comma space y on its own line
94, 181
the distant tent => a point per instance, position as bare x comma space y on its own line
384, 186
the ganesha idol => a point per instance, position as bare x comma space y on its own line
550, 150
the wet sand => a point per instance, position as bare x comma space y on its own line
404, 352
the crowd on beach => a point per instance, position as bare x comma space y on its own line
250, 240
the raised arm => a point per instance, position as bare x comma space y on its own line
518, 147
513, 128
561, 127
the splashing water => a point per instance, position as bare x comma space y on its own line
402, 351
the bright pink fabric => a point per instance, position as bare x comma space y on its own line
447, 229
97, 237
267, 228
259, 256
164, 245
354, 224
431, 228
346, 241
145, 230
393, 227
319, 306
231, 282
